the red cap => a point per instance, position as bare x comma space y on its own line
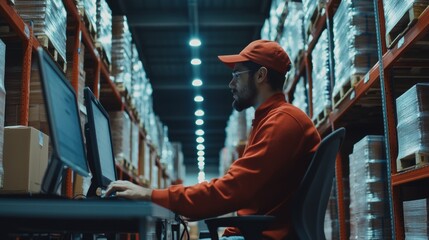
263, 52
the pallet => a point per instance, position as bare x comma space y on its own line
314, 18
413, 161
345, 89
404, 24
319, 118
103, 55
47, 44
92, 30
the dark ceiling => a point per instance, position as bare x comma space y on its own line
161, 30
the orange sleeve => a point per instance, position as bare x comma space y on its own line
270, 153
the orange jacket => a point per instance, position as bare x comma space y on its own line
262, 181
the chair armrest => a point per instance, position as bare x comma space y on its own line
250, 226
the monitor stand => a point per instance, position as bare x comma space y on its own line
53, 176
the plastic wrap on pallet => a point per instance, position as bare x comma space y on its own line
355, 43
413, 121
137, 80
369, 218
89, 8
309, 7
134, 145
416, 214
331, 225
250, 115
178, 161
236, 129
121, 52
395, 9
2, 105
270, 29
320, 74
49, 18
104, 27
121, 127
300, 95
292, 39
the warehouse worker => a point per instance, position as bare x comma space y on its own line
279, 149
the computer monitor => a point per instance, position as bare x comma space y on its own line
99, 144
68, 148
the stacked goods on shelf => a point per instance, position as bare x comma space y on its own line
146, 106
321, 81
104, 30
416, 213
237, 129
400, 15
369, 218
179, 170
300, 95
292, 38
355, 45
312, 12
413, 127
137, 80
121, 127
167, 153
2, 105
331, 226
134, 147
270, 29
121, 53
70, 63
88, 9
250, 115
50, 22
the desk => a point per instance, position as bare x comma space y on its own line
85, 216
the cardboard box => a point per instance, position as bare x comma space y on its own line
25, 159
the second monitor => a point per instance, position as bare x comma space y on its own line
101, 157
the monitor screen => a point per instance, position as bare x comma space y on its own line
99, 142
64, 123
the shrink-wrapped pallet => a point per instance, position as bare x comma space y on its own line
416, 213
2, 106
121, 127
321, 81
292, 39
270, 29
121, 53
88, 9
104, 29
355, 43
300, 95
49, 18
369, 218
399, 14
413, 126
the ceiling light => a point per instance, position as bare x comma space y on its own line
201, 176
195, 42
196, 61
200, 153
198, 98
201, 158
197, 82
199, 122
200, 147
199, 132
199, 113
201, 165
200, 139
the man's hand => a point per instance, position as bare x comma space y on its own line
129, 190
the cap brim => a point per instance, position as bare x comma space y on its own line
231, 60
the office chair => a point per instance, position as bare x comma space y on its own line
309, 202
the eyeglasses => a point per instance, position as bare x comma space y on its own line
237, 74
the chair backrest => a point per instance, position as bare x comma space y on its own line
311, 199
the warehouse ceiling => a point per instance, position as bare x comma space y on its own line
161, 30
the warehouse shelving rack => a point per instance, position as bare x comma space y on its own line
100, 83
378, 85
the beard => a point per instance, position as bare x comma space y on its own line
245, 98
